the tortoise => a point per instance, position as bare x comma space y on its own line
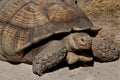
44, 32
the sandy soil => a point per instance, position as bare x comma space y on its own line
100, 71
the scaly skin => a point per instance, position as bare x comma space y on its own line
54, 51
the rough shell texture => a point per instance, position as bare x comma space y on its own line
24, 22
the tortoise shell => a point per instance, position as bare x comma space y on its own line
25, 22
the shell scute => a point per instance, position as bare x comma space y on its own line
30, 21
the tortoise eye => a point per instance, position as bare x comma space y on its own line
62, 13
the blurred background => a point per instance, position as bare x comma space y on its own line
105, 14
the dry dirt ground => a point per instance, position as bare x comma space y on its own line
103, 13
100, 71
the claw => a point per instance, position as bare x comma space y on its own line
72, 58
85, 58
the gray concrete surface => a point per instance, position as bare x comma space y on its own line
100, 71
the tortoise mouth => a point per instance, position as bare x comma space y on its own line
62, 13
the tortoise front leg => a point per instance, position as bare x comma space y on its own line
104, 51
48, 57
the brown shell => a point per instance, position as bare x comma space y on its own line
24, 22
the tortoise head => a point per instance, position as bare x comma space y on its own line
77, 41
